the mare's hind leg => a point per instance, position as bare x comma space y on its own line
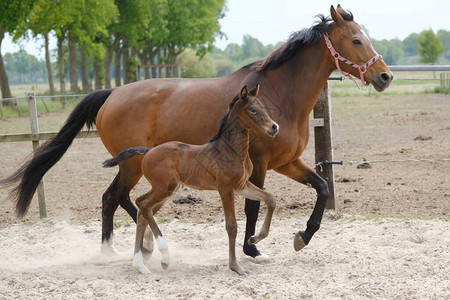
253, 192
231, 226
118, 194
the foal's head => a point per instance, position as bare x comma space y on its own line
252, 114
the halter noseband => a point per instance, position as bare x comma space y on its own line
362, 69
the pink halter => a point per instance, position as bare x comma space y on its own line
362, 69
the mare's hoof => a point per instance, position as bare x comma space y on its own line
262, 258
299, 243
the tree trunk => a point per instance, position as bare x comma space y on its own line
62, 81
48, 64
107, 66
125, 64
98, 73
117, 56
84, 72
4, 84
73, 66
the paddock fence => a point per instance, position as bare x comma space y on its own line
321, 122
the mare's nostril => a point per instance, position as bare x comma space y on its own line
275, 127
385, 77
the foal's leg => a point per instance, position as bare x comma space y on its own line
300, 172
231, 226
141, 224
253, 192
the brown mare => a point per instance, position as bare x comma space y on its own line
222, 164
155, 111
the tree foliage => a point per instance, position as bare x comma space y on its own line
429, 46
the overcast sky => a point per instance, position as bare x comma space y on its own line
271, 21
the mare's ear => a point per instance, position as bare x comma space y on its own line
244, 93
336, 16
340, 10
255, 91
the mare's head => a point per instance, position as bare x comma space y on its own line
353, 45
252, 114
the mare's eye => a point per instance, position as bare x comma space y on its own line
252, 110
356, 42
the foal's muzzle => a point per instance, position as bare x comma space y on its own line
273, 130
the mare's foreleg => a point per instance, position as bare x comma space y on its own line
253, 192
300, 172
231, 227
251, 213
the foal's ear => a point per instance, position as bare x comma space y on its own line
255, 91
336, 16
244, 93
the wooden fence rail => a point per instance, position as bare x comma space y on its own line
321, 122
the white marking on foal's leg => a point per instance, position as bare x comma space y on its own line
164, 249
138, 263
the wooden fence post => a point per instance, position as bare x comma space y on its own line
324, 144
35, 129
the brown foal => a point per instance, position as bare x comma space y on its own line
222, 164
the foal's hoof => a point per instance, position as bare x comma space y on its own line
299, 243
252, 240
164, 265
239, 270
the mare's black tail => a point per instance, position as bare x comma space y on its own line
26, 179
123, 155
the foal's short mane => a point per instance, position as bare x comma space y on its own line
224, 120
296, 41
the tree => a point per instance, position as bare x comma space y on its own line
192, 66
390, 49
252, 47
445, 36
12, 14
409, 45
429, 46
193, 24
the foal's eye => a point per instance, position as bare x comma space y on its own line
252, 110
356, 42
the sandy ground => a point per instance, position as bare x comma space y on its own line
389, 237
351, 258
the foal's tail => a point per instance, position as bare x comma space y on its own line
124, 155
26, 179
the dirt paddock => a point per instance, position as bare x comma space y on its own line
389, 237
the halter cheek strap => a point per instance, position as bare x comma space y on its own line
361, 68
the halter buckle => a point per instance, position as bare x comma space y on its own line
362, 69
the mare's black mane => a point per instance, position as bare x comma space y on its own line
296, 41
